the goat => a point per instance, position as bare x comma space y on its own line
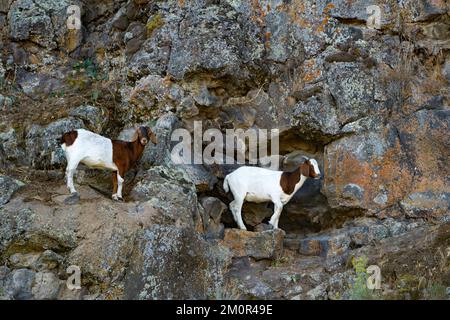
96, 151
255, 184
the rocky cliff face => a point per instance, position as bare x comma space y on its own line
370, 104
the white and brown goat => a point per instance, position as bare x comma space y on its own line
96, 151
255, 184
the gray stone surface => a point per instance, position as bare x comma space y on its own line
165, 266
7, 188
42, 143
43, 22
94, 118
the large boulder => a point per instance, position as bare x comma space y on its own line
211, 212
40, 85
43, 23
19, 284
94, 118
407, 259
228, 39
25, 284
174, 263
31, 232
169, 190
42, 142
134, 250
354, 234
425, 137
316, 118
220, 44
424, 10
353, 90
32, 225
358, 171
258, 245
12, 149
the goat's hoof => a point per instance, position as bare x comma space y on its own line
72, 199
271, 227
117, 198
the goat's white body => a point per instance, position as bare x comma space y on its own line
255, 184
259, 184
93, 150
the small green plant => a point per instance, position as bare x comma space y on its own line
84, 73
278, 262
337, 296
408, 283
57, 94
151, 123
295, 278
95, 96
359, 290
154, 23
87, 67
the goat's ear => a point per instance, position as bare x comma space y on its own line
152, 135
304, 168
153, 138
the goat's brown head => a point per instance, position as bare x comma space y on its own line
143, 134
310, 169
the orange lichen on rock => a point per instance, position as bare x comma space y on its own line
312, 72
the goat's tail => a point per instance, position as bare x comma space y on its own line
225, 184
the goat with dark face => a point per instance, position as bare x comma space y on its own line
99, 152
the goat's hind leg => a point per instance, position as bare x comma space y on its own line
231, 206
236, 209
114, 178
70, 170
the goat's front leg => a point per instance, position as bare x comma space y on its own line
70, 170
118, 185
278, 207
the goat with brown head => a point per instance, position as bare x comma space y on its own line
310, 169
96, 151
126, 154
144, 134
